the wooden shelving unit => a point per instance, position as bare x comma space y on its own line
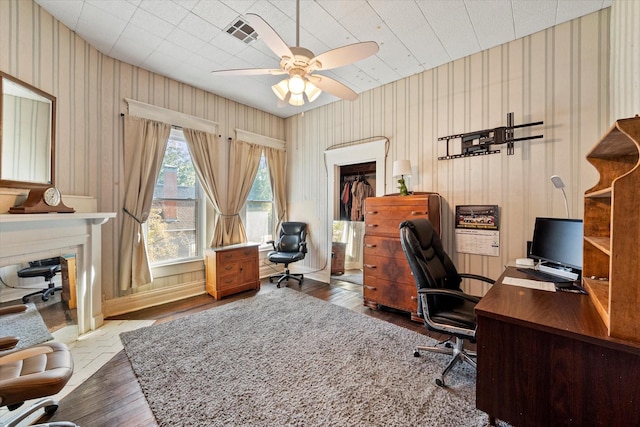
611, 264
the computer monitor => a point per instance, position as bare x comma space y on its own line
558, 243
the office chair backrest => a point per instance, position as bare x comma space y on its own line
291, 235
430, 264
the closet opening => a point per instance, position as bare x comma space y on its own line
357, 182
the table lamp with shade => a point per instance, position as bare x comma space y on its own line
402, 168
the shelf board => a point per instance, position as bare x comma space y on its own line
602, 243
613, 144
602, 193
599, 294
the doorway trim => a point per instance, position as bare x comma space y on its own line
374, 151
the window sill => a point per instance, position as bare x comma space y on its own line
179, 267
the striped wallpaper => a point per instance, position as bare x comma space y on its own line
560, 75
90, 89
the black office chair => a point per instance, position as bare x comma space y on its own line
46, 268
291, 246
441, 303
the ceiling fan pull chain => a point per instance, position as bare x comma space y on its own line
297, 23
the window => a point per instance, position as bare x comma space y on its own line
259, 209
173, 231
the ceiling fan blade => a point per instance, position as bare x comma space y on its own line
269, 35
250, 72
345, 55
333, 87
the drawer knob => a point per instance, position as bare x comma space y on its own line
369, 245
228, 267
371, 288
372, 225
372, 212
370, 266
413, 297
227, 256
418, 213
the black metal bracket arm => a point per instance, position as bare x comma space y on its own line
478, 143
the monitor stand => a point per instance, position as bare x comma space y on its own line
558, 272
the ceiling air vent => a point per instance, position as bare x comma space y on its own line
241, 30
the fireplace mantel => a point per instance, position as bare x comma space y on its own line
35, 236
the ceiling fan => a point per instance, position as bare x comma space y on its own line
300, 64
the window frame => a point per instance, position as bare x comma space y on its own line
192, 263
243, 212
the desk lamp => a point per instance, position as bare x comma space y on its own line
402, 168
557, 182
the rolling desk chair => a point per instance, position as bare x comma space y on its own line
444, 307
290, 247
36, 372
46, 268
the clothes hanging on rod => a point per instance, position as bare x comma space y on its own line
360, 190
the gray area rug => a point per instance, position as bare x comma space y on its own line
28, 326
284, 358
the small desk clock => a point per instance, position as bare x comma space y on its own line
42, 200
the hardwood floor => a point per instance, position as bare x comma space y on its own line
112, 396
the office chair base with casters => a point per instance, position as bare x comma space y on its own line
49, 405
286, 276
455, 349
46, 293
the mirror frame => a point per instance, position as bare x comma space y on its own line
27, 184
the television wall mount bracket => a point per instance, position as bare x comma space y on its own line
479, 143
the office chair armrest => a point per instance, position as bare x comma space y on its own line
476, 277
449, 292
303, 247
18, 308
7, 343
273, 243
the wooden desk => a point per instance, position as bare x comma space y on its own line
545, 359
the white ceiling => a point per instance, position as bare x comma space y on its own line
185, 39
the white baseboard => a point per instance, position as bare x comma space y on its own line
134, 302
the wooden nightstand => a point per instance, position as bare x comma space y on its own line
232, 269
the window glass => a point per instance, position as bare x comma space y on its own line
172, 227
259, 218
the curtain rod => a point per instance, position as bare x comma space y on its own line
175, 126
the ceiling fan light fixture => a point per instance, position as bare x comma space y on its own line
296, 85
296, 99
281, 89
311, 91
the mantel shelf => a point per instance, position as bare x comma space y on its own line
96, 218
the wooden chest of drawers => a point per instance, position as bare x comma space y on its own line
387, 276
232, 269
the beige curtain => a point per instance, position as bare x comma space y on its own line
244, 159
145, 142
203, 147
276, 162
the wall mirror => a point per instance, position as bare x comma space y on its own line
27, 140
